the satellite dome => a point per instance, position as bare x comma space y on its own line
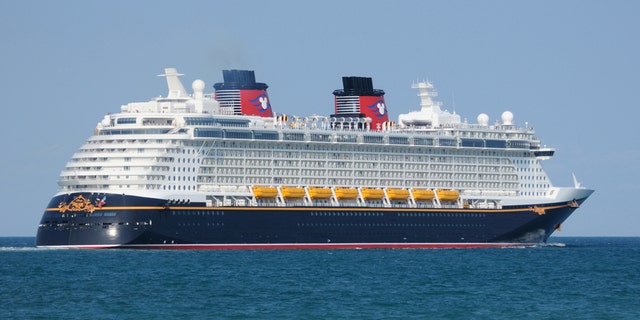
198, 85
483, 119
507, 118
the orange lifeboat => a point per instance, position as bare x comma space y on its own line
398, 194
292, 192
265, 192
372, 194
448, 195
423, 195
319, 193
346, 193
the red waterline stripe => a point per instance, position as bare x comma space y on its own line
322, 246
297, 246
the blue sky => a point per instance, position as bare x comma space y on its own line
570, 69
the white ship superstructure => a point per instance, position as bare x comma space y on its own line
188, 148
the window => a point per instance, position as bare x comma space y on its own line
373, 139
237, 134
293, 136
126, 120
320, 137
266, 135
207, 133
398, 140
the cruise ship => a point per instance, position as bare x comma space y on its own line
224, 170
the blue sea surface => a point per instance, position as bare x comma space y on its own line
570, 278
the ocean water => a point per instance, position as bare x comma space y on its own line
570, 278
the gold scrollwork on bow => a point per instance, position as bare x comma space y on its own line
79, 203
540, 211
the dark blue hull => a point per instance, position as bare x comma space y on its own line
150, 223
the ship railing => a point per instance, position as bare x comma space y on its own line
500, 127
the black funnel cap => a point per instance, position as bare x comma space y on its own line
239, 80
357, 86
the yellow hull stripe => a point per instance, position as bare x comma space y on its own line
357, 209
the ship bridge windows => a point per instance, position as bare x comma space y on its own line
126, 121
105, 132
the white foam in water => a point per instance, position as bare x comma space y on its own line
20, 249
553, 244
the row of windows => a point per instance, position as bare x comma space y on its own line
376, 139
320, 137
374, 166
346, 138
400, 214
387, 156
126, 120
349, 148
306, 146
533, 193
197, 121
390, 163
345, 171
443, 214
345, 214
197, 213
87, 224
396, 225
105, 132
494, 135
293, 136
174, 187
197, 224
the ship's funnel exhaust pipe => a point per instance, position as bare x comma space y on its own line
358, 99
240, 94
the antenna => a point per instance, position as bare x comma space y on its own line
453, 100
